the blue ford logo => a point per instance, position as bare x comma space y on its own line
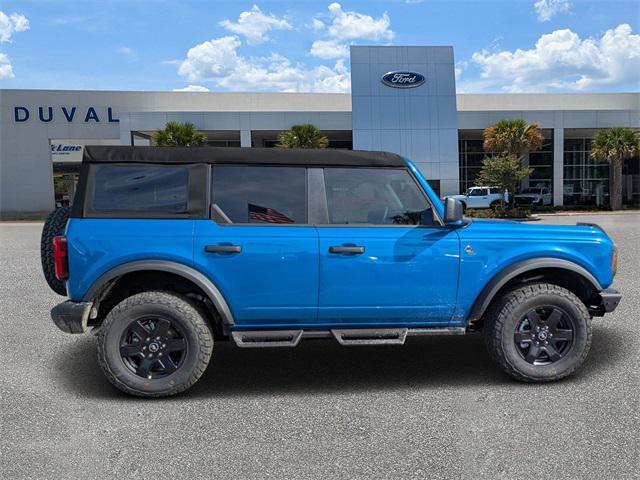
403, 79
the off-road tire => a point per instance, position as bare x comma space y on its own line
502, 320
182, 311
495, 204
54, 225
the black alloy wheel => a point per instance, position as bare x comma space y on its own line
544, 335
153, 347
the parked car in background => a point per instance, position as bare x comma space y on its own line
534, 196
480, 197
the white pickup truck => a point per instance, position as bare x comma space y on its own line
534, 196
480, 197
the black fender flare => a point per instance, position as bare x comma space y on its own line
501, 278
180, 269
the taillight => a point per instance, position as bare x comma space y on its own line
60, 258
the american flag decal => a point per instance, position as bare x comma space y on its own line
266, 214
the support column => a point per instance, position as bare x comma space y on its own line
245, 138
558, 166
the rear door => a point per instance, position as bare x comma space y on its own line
385, 258
260, 251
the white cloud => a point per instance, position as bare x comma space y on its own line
218, 61
327, 49
317, 25
254, 25
213, 58
125, 51
561, 60
10, 24
192, 88
6, 70
547, 9
347, 25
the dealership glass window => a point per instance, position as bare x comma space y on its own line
542, 163
148, 189
65, 182
586, 181
631, 182
472, 154
260, 194
375, 196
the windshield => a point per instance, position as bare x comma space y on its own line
531, 190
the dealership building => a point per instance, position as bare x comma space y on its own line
415, 112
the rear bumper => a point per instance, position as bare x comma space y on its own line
71, 317
608, 302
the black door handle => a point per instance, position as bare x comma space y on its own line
222, 248
343, 249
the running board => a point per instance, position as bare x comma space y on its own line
346, 337
367, 336
267, 338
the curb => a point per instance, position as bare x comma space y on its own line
569, 214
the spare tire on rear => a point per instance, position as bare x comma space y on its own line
54, 225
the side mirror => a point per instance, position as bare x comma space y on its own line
452, 211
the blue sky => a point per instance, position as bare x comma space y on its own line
500, 46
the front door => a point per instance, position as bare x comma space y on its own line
384, 258
478, 198
260, 251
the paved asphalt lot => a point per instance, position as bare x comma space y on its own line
435, 408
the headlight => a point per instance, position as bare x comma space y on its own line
614, 260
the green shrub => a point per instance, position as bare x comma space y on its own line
499, 212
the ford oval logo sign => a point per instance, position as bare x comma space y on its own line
403, 79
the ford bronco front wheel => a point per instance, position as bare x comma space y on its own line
154, 344
538, 333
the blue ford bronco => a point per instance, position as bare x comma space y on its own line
166, 249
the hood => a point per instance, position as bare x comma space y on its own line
531, 230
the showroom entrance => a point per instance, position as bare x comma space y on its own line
66, 156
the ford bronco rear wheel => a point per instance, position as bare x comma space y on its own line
154, 344
538, 333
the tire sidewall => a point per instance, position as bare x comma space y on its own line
566, 364
119, 320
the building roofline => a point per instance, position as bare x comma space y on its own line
547, 101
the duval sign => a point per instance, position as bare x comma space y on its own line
401, 79
69, 114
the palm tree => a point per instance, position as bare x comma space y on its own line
513, 139
302, 136
176, 134
615, 145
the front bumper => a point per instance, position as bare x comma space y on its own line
72, 317
608, 301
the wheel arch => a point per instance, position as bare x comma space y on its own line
565, 273
190, 274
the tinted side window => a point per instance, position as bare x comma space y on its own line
140, 189
256, 194
375, 196
494, 191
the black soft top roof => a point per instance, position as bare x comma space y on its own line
265, 156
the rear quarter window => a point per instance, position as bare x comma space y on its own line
142, 190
